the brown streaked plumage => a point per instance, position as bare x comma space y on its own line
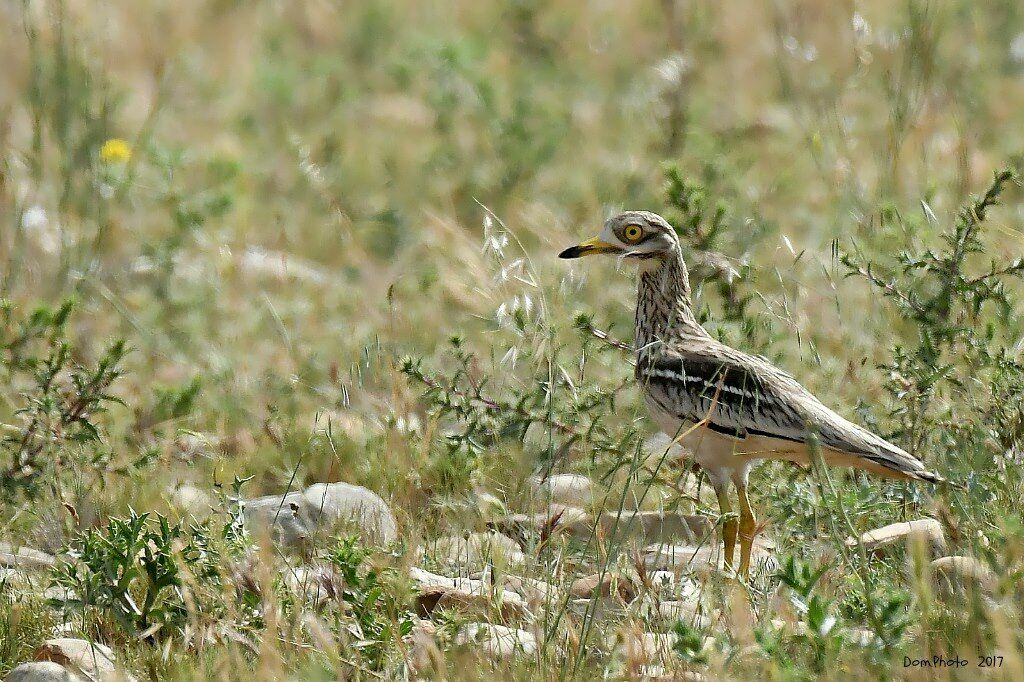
728, 408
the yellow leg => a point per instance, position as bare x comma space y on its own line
729, 527
747, 528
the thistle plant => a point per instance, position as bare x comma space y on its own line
61, 398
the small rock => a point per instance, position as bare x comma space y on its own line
796, 627
15, 579
42, 671
465, 595
558, 518
648, 526
683, 558
497, 640
604, 585
958, 573
294, 518
280, 518
424, 578
572, 490
334, 503
312, 584
688, 610
860, 636
650, 646
600, 610
925, 530
537, 593
24, 558
659, 673
59, 594
193, 500
479, 548
91, 660
666, 527
509, 605
489, 506
707, 557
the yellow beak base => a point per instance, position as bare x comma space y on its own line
588, 248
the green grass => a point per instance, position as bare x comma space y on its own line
320, 196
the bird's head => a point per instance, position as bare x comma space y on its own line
634, 234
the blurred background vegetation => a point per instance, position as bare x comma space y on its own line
284, 209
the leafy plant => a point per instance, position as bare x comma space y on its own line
942, 293
689, 643
701, 223
378, 616
815, 609
62, 396
134, 570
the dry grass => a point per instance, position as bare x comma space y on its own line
308, 200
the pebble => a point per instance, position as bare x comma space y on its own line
573, 490
475, 549
537, 593
192, 499
42, 671
24, 558
313, 584
681, 559
962, 573
897, 534
688, 610
294, 518
647, 526
424, 654
556, 519
467, 596
89, 659
497, 641
604, 585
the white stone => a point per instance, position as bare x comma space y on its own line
312, 584
558, 518
489, 506
688, 610
424, 653
650, 646
497, 640
90, 659
42, 671
536, 592
879, 539
467, 595
192, 499
683, 559
293, 519
24, 558
648, 527
572, 490
476, 549
963, 572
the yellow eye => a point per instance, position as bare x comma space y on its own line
632, 233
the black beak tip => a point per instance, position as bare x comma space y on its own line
571, 252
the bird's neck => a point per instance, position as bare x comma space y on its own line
664, 312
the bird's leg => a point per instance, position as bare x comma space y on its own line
729, 526
747, 528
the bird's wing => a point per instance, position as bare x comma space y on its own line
729, 395
740, 395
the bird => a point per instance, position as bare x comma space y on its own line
728, 408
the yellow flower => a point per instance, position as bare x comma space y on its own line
115, 150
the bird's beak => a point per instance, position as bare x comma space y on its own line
588, 248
